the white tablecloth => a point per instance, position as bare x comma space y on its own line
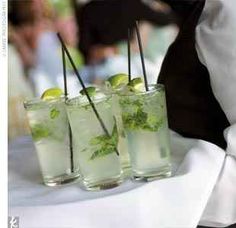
176, 202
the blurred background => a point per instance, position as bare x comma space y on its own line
95, 33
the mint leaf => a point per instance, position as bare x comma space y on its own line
98, 140
102, 152
104, 144
141, 116
54, 113
39, 131
135, 118
135, 121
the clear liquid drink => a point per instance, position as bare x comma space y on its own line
99, 162
123, 143
145, 121
50, 132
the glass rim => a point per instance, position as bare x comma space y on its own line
36, 101
156, 87
78, 103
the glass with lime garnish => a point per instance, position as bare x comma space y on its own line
98, 152
113, 86
50, 132
145, 121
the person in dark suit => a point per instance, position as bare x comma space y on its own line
106, 22
200, 80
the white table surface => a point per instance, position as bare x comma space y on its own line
176, 202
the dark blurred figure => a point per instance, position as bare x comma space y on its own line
22, 36
105, 23
195, 112
32, 30
195, 91
23, 29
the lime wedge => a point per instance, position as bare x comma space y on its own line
118, 80
136, 85
52, 93
90, 90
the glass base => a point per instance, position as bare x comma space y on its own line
103, 185
61, 180
152, 175
126, 172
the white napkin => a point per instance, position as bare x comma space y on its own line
216, 48
176, 202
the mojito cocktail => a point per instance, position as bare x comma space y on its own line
145, 121
114, 86
123, 142
50, 132
99, 162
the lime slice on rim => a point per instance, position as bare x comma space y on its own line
52, 93
136, 85
118, 80
90, 90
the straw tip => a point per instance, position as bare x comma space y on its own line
58, 35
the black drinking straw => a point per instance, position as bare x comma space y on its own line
64, 71
141, 54
84, 88
129, 59
66, 97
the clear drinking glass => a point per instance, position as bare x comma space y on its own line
145, 121
123, 142
50, 132
99, 163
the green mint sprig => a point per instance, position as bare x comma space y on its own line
137, 118
39, 131
104, 144
54, 113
